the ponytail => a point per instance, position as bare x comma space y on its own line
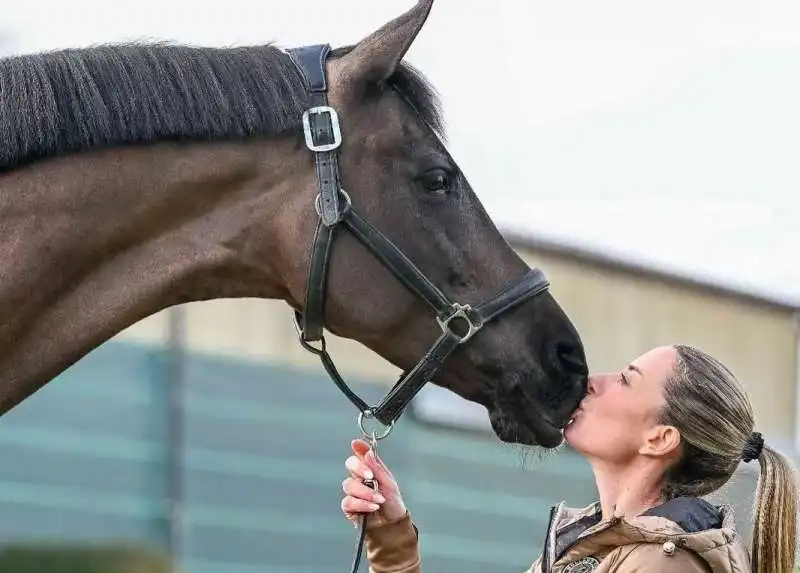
775, 515
708, 405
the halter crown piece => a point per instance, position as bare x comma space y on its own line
753, 447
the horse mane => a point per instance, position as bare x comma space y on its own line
72, 100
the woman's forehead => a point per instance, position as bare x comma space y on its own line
655, 363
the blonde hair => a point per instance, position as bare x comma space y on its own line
709, 407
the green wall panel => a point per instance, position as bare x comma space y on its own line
262, 465
83, 458
264, 459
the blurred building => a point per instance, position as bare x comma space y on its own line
207, 429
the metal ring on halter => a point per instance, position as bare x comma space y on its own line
307, 343
368, 414
347, 203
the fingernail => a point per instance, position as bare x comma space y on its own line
373, 506
378, 498
368, 474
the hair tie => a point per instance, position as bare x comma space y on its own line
753, 447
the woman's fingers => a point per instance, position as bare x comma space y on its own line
362, 450
355, 488
361, 499
358, 468
352, 505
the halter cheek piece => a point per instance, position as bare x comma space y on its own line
335, 210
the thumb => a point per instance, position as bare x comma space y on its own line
362, 449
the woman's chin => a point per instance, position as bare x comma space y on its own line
572, 436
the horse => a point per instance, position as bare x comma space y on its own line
142, 175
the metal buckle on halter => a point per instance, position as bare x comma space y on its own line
335, 130
463, 312
347, 204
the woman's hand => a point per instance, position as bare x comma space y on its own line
382, 505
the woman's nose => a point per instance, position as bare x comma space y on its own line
596, 383
592, 385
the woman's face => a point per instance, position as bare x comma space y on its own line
618, 419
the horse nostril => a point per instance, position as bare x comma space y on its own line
571, 358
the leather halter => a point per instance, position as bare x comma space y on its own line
458, 322
336, 211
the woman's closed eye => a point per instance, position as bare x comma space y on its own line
623, 380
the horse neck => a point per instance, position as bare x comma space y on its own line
94, 242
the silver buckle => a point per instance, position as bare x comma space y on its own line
337, 133
460, 311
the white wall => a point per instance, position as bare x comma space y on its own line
621, 112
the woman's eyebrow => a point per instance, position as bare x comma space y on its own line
635, 369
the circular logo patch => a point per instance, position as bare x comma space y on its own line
585, 565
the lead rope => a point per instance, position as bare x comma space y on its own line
373, 438
362, 534
360, 543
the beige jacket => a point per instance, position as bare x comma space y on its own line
684, 535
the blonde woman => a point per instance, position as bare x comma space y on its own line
669, 428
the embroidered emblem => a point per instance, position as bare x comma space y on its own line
585, 565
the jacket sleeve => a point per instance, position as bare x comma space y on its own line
651, 558
392, 547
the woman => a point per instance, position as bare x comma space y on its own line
669, 428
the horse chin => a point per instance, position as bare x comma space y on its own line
531, 432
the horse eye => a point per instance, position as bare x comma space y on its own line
436, 181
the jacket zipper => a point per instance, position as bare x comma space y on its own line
611, 523
545, 549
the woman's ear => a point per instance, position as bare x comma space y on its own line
661, 441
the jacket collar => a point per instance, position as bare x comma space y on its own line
683, 516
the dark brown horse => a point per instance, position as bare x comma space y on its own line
140, 176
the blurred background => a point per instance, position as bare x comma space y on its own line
646, 161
